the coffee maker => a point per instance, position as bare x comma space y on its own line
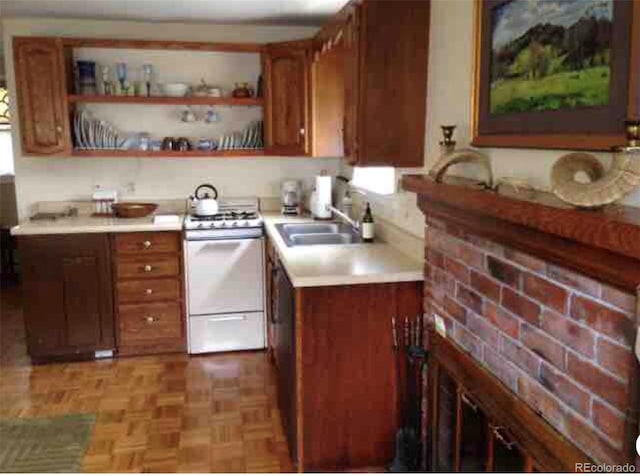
291, 197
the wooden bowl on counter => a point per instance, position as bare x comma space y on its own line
133, 210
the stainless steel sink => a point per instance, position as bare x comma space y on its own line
308, 228
309, 234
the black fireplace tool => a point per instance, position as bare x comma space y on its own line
408, 441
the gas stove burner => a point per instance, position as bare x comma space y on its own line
216, 217
243, 215
232, 215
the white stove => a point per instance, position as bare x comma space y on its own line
236, 218
224, 260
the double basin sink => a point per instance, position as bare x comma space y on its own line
306, 234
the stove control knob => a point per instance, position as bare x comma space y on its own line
200, 225
235, 223
223, 224
246, 223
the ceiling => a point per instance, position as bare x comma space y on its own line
277, 12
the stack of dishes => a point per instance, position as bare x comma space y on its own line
250, 138
91, 133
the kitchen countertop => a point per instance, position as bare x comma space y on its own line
334, 265
307, 266
89, 224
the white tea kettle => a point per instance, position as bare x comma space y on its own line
203, 202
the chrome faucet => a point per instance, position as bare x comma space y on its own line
354, 223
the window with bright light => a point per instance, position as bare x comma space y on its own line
380, 180
6, 150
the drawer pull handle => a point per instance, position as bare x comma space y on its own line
147, 268
149, 291
150, 319
146, 244
229, 318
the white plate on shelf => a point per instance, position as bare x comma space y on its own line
76, 131
83, 130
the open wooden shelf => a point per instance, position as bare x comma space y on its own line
162, 45
168, 153
181, 101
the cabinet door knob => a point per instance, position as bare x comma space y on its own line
150, 319
147, 268
149, 291
146, 244
302, 131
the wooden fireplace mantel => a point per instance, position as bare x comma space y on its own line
603, 244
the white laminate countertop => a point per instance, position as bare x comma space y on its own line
89, 224
334, 265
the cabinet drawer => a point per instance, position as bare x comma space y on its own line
225, 332
148, 290
146, 243
147, 267
141, 323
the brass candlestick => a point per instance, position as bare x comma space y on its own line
632, 127
447, 143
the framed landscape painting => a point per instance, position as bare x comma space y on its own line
561, 74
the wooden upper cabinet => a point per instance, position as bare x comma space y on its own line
287, 98
41, 92
393, 46
384, 44
327, 77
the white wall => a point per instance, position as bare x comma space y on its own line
449, 102
42, 179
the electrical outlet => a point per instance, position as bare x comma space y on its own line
441, 328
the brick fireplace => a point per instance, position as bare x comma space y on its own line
559, 338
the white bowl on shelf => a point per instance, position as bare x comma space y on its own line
175, 90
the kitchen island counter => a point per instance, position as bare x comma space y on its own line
334, 265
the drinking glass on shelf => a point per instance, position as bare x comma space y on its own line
212, 115
147, 70
122, 75
106, 81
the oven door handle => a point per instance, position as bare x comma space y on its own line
228, 318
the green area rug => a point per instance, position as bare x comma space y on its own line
44, 445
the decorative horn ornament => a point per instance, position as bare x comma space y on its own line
452, 156
604, 187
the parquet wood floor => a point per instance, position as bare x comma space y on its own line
171, 413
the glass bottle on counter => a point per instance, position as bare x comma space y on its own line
367, 225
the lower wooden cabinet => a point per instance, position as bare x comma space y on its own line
285, 356
67, 289
90, 292
271, 296
476, 424
338, 374
149, 283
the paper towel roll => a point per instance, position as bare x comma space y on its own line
323, 196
